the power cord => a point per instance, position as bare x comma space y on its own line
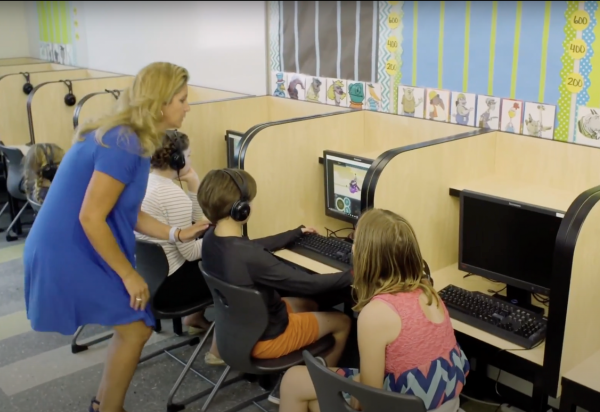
333, 233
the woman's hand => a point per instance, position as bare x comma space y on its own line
138, 290
194, 231
191, 179
308, 230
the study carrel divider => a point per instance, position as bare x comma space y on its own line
13, 61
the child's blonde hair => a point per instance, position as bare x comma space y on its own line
139, 106
387, 258
39, 156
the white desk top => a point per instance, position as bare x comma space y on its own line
587, 373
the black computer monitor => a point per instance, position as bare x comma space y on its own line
344, 179
233, 139
510, 242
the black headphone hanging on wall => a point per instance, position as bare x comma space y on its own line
177, 160
70, 98
240, 210
49, 171
27, 87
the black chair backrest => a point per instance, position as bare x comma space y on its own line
329, 387
241, 318
152, 265
14, 164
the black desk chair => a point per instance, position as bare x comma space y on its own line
329, 387
13, 158
241, 317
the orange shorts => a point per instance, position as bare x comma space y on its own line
302, 330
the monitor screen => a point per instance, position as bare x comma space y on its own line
507, 241
344, 179
233, 146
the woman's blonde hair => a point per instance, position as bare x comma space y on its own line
39, 156
139, 108
387, 258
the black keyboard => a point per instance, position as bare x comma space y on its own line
330, 251
495, 316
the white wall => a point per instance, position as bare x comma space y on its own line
222, 44
14, 41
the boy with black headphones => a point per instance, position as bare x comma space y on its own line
226, 196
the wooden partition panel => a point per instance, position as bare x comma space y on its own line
94, 105
284, 160
31, 68
386, 131
11, 61
205, 94
14, 122
280, 109
415, 184
50, 120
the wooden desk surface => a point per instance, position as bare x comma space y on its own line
442, 278
587, 373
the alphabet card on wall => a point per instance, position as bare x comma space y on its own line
356, 95
437, 105
278, 84
588, 126
337, 92
511, 114
373, 97
411, 101
538, 120
462, 110
296, 88
316, 89
488, 112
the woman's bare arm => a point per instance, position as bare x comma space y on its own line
149, 226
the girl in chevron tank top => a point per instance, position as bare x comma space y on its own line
405, 337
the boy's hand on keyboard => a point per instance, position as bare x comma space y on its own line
306, 230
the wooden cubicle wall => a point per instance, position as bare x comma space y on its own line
31, 68
530, 170
98, 103
11, 61
14, 121
207, 122
284, 159
51, 120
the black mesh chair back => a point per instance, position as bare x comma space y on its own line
330, 386
14, 164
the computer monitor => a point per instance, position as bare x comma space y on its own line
510, 242
233, 139
344, 179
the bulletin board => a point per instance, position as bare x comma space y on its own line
524, 67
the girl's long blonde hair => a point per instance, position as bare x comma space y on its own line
387, 258
36, 159
139, 108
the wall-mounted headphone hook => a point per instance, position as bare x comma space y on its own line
27, 87
116, 93
70, 98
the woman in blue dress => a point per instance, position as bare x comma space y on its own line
79, 255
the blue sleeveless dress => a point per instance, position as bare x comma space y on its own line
67, 283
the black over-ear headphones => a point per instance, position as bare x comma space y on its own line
70, 98
177, 161
50, 169
241, 208
27, 87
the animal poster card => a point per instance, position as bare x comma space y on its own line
316, 89
337, 92
437, 105
278, 84
462, 108
296, 86
411, 101
538, 120
356, 95
511, 115
588, 126
373, 97
488, 112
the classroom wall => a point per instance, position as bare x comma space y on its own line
13, 29
531, 66
222, 44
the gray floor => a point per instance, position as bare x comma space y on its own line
39, 373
